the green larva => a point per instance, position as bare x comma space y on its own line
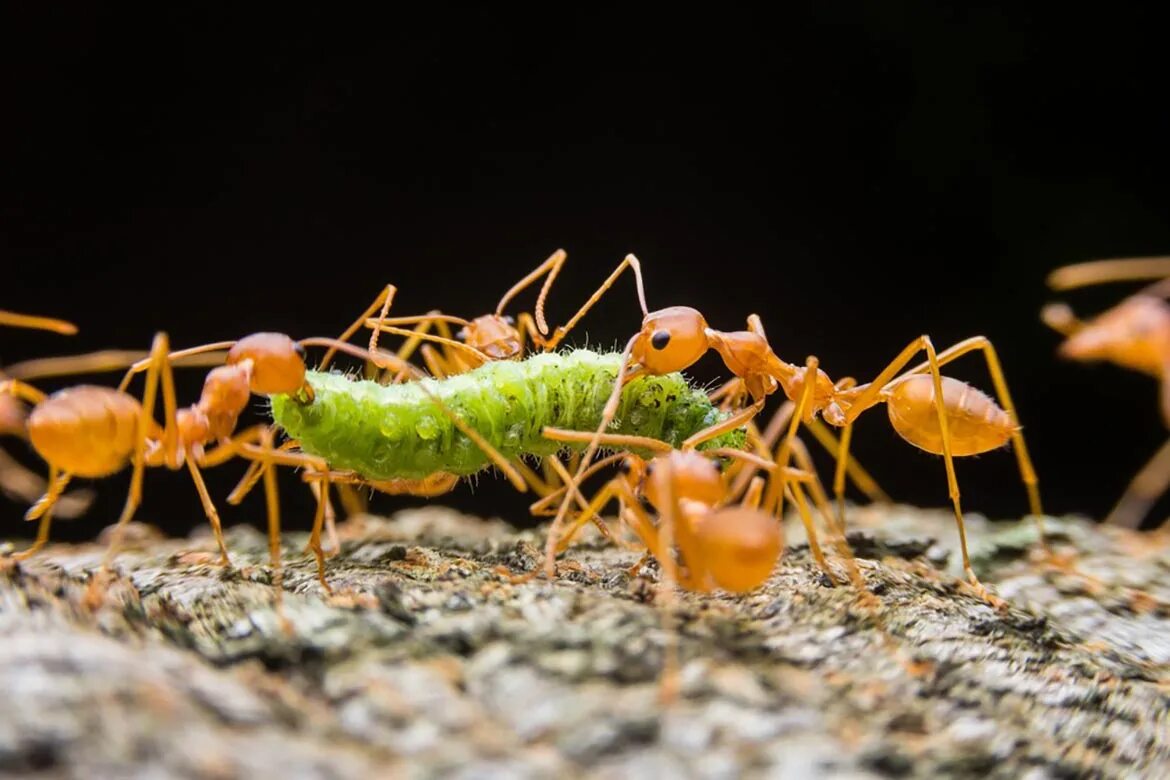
398, 432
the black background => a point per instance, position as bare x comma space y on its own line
856, 177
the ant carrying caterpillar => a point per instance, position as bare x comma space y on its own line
399, 432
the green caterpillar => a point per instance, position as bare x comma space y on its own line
398, 432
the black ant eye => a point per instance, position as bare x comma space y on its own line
660, 339
649, 469
625, 467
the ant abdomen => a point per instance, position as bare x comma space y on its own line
975, 422
88, 431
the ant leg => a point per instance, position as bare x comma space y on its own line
176, 356
552, 267
736, 420
272, 502
541, 507
383, 300
797, 496
1143, 490
495, 456
1115, 270
33, 322
322, 491
839, 472
774, 496
209, 510
56, 486
158, 357
561, 331
69, 365
855, 471
463, 349
623, 440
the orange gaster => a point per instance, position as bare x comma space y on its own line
1134, 334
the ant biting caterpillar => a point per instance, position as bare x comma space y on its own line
1133, 334
967, 422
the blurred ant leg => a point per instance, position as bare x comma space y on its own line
22, 390
551, 267
541, 508
631, 262
753, 495
991, 358
667, 583
209, 510
527, 328
860, 477
383, 300
158, 359
817, 491
539, 485
57, 483
272, 502
27, 487
12, 319
176, 356
435, 363
69, 365
839, 472
774, 495
1143, 491
1115, 270
1060, 317
615, 488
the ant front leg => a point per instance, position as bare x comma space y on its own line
56, 486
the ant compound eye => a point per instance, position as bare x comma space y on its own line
649, 469
625, 467
660, 339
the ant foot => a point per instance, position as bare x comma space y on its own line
95, 592
992, 600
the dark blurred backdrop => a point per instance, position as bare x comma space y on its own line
857, 178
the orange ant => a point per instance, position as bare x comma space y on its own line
494, 336
720, 545
15, 479
967, 422
1134, 334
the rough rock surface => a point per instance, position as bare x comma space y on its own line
428, 662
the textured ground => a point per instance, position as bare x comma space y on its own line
428, 663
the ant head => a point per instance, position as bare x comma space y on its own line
493, 335
740, 547
671, 339
685, 474
278, 362
634, 470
